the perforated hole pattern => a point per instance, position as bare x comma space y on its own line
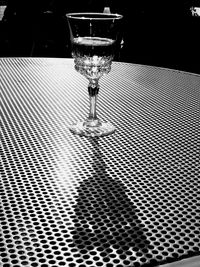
129, 199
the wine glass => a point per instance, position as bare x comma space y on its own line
95, 37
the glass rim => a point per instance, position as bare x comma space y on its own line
93, 16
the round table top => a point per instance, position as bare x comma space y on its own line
128, 199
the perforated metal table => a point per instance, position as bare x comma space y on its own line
128, 199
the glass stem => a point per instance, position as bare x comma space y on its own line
93, 89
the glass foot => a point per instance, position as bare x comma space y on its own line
102, 129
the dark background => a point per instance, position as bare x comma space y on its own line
160, 33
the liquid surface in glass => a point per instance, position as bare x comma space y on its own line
93, 55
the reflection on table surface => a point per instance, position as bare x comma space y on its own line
129, 199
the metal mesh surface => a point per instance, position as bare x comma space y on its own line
129, 199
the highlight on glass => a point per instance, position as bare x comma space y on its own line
95, 39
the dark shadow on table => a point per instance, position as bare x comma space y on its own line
105, 217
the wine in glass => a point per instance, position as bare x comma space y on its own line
95, 38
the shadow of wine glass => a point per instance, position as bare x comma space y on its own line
105, 217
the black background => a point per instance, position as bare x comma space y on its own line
160, 33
